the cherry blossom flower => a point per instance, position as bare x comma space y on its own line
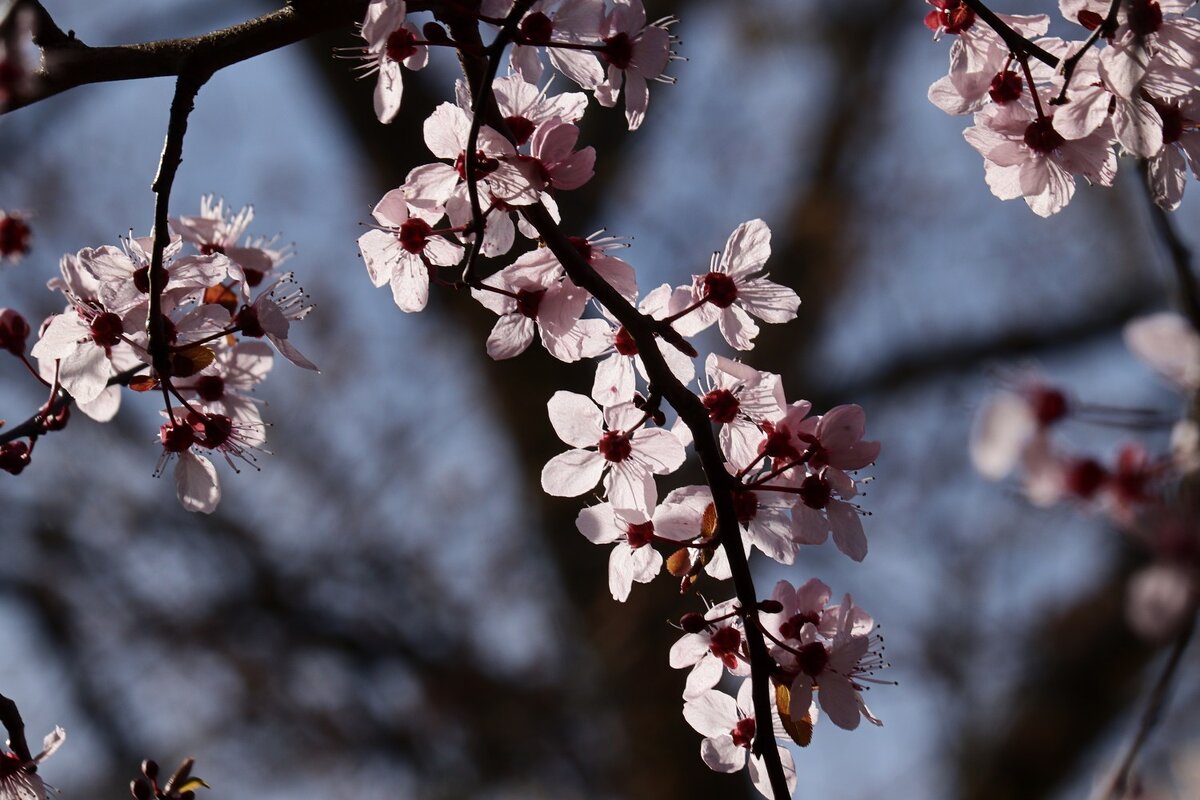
271, 315
635, 53
736, 288
525, 107
196, 483
614, 382
391, 41
401, 253
981, 68
535, 294
717, 647
83, 341
554, 162
633, 533
1025, 156
19, 779
834, 670
568, 22
741, 399
218, 229
729, 728
627, 455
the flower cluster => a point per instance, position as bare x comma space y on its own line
1057, 109
791, 474
1015, 432
204, 350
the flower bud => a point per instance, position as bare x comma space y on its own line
770, 606
150, 768
14, 331
14, 457
140, 789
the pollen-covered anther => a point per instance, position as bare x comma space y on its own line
615, 446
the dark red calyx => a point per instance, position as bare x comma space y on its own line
247, 322
1085, 477
528, 302
210, 388
1005, 87
521, 129
401, 44
106, 329
719, 289
1041, 136
624, 343
815, 491
812, 658
176, 436
14, 236
414, 235
791, 628
639, 534
1144, 17
615, 446
618, 50
537, 28
745, 505
722, 406
743, 732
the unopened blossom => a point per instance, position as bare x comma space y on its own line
729, 727
19, 779
736, 288
406, 248
15, 236
391, 41
14, 331
627, 455
635, 53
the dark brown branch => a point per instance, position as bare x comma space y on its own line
1015, 41
1153, 711
35, 426
10, 718
68, 62
1178, 252
1072, 61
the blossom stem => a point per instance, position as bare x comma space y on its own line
32, 371
679, 314
1153, 711
178, 348
1070, 62
1033, 92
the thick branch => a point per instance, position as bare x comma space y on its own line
10, 718
67, 62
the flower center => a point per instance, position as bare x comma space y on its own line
791, 628
212, 430
537, 27
176, 436
813, 658
1049, 405
719, 289
1145, 17
1084, 477
815, 491
745, 505
615, 446
414, 235
722, 405
401, 44
211, 388
743, 733
528, 302
247, 321
106, 329
14, 236
521, 129
1172, 122
1006, 87
1041, 136
624, 343
778, 444
618, 50
639, 534
484, 165
725, 644
141, 278
582, 246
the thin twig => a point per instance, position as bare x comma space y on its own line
1153, 711
1179, 253
1015, 41
1072, 61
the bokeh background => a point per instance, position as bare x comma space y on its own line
391, 608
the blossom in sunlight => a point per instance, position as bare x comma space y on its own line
18, 779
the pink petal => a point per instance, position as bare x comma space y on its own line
196, 483
572, 473
575, 418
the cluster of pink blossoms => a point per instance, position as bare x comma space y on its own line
1015, 432
215, 307
795, 472
1038, 127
